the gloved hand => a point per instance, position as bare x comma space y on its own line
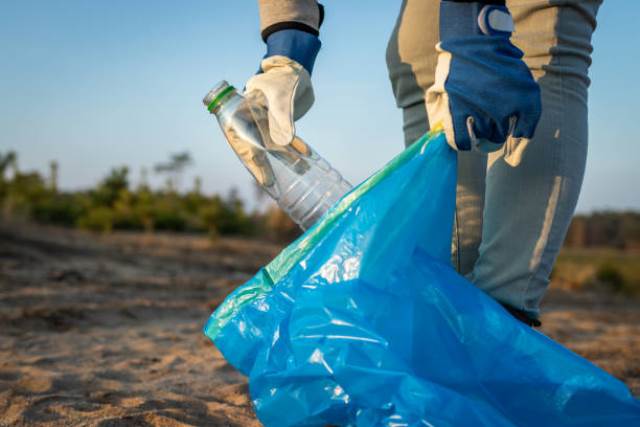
483, 91
284, 84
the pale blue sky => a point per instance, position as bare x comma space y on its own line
96, 84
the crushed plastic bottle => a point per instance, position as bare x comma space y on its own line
303, 184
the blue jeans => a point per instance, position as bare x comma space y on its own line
511, 221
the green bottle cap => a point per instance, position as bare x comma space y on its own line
214, 97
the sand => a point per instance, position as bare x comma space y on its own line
106, 330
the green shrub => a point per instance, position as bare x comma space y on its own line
23, 192
609, 275
109, 189
58, 209
168, 216
97, 219
113, 204
125, 215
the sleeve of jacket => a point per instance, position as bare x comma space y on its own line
276, 15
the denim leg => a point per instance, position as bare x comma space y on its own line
411, 59
510, 221
528, 208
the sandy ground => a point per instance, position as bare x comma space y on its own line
106, 330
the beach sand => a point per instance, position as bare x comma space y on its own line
106, 330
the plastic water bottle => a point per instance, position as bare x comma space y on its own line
303, 184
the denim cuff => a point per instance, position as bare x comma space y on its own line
473, 19
298, 45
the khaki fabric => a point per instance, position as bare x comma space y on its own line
510, 221
275, 11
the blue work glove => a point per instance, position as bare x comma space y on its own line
284, 84
483, 91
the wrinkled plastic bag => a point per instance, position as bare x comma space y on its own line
363, 322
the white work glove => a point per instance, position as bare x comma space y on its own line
284, 89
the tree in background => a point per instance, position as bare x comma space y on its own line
605, 229
111, 186
8, 161
53, 176
174, 169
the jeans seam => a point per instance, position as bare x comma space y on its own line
536, 271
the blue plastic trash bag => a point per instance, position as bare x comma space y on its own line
363, 322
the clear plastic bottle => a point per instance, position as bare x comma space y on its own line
302, 183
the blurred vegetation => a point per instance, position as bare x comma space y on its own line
113, 204
602, 250
611, 229
607, 269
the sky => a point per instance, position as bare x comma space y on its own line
98, 84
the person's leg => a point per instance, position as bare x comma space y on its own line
528, 208
411, 59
